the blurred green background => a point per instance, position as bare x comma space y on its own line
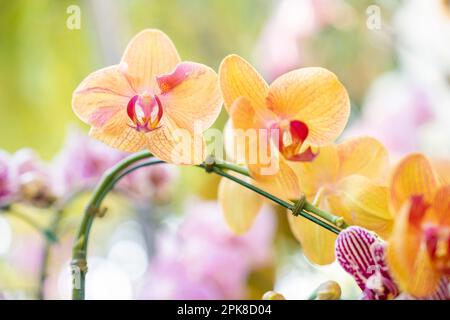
42, 61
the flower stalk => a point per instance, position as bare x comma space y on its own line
125, 167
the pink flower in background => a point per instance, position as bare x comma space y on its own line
7, 179
204, 260
33, 178
394, 112
81, 162
153, 182
281, 45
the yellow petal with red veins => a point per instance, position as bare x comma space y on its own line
408, 258
282, 184
230, 144
314, 96
149, 54
441, 206
364, 156
442, 167
321, 172
191, 96
176, 145
265, 164
129, 140
101, 95
412, 176
317, 242
240, 205
239, 79
362, 202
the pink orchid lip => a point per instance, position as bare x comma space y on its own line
145, 111
362, 255
291, 139
418, 208
437, 241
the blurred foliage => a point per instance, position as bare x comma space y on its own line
42, 61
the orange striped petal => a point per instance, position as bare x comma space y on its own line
191, 96
408, 259
317, 242
362, 202
412, 176
314, 96
441, 206
320, 172
364, 156
128, 140
176, 145
239, 79
264, 162
282, 184
101, 95
149, 54
240, 205
442, 167
248, 136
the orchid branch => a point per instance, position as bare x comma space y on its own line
115, 174
59, 212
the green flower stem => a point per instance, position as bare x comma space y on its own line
79, 250
278, 201
59, 211
232, 167
337, 221
46, 233
112, 176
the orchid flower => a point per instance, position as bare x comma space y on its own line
295, 115
361, 254
149, 99
346, 179
418, 253
8, 187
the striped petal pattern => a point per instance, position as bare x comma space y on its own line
361, 254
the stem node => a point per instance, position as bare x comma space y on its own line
299, 204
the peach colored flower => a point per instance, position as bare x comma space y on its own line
146, 99
418, 251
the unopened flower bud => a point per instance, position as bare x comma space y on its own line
329, 290
272, 295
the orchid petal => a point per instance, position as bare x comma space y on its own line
320, 172
191, 96
408, 257
176, 145
364, 156
265, 164
317, 242
412, 176
361, 254
149, 54
239, 79
362, 202
101, 95
314, 96
129, 140
240, 205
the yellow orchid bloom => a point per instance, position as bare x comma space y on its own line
418, 251
149, 98
347, 180
297, 113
